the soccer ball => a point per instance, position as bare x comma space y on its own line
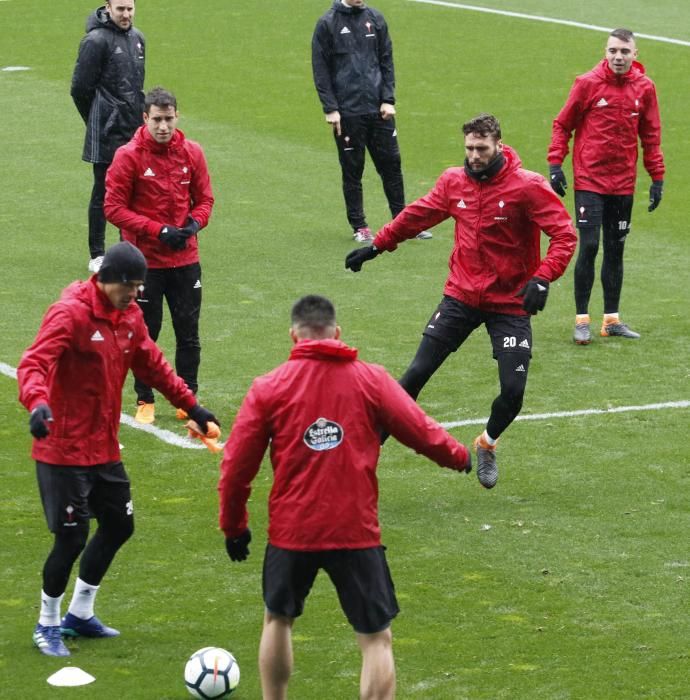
211, 672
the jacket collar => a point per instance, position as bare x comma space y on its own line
328, 349
100, 304
144, 139
636, 70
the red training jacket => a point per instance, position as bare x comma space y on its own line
497, 233
77, 365
149, 185
321, 412
608, 113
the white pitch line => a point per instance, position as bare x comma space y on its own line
550, 20
164, 435
184, 442
572, 414
8, 371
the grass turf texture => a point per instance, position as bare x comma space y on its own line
579, 587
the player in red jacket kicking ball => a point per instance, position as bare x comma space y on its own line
497, 276
321, 413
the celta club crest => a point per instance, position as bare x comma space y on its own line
368, 26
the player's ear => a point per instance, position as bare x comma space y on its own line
293, 335
337, 332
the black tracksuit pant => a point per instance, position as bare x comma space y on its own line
378, 136
181, 288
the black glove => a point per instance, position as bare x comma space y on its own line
39, 419
557, 180
191, 227
173, 237
656, 192
359, 256
535, 293
202, 416
238, 547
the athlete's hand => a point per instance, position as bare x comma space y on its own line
359, 256
333, 119
202, 417
173, 237
557, 179
191, 227
467, 466
387, 111
238, 547
39, 419
535, 292
656, 192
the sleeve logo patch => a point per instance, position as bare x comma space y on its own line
323, 434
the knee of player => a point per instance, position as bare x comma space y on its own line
73, 540
513, 392
118, 531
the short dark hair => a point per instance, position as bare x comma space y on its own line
160, 97
623, 34
313, 312
484, 125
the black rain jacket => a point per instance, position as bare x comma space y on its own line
352, 60
107, 85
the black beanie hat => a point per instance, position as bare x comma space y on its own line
123, 263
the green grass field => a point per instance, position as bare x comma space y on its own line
571, 579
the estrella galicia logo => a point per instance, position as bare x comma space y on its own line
323, 434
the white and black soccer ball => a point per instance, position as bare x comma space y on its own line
211, 673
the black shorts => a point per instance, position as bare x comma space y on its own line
72, 495
453, 322
361, 578
614, 211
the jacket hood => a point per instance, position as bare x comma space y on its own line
513, 161
603, 71
328, 349
143, 139
100, 19
88, 293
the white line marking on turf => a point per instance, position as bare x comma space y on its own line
572, 414
8, 371
164, 435
185, 442
550, 20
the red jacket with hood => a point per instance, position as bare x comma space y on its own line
497, 233
321, 412
608, 113
77, 365
149, 185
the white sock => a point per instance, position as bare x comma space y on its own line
489, 439
83, 600
50, 610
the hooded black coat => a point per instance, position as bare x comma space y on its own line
352, 60
108, 85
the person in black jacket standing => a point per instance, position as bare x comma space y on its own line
352, 61
108, 91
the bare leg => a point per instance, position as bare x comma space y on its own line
377, 681
275, 656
